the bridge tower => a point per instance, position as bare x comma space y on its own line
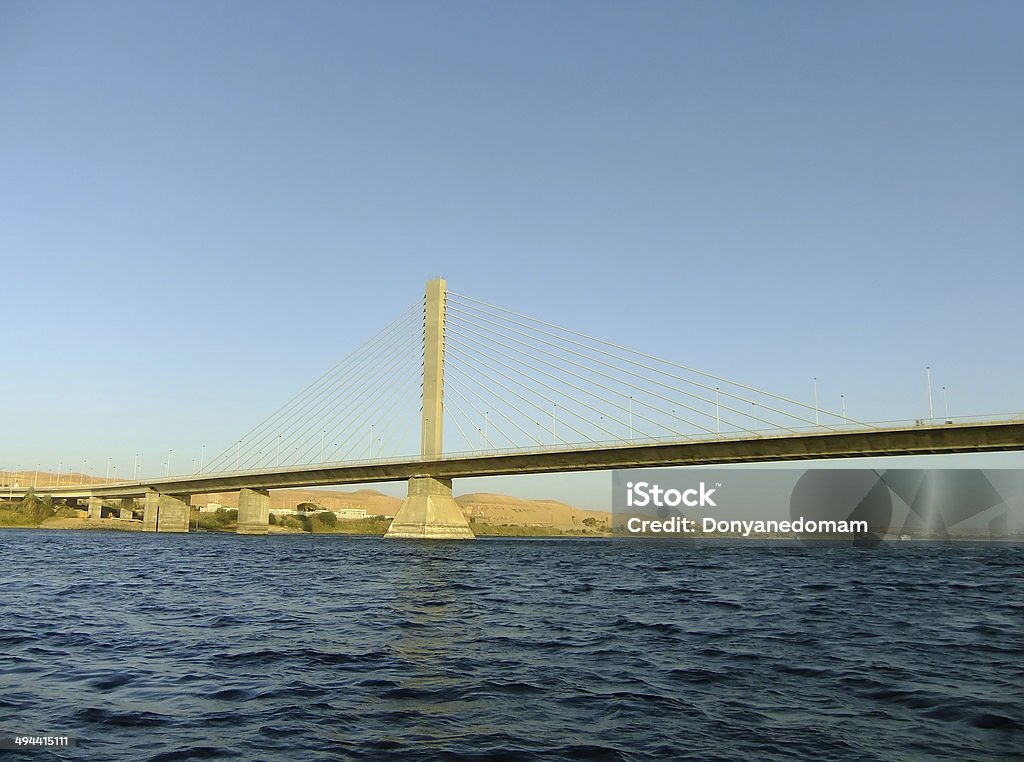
430, 512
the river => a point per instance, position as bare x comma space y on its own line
215, 646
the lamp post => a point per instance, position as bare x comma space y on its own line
931, 407
817, 421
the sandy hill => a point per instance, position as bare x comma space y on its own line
505, 509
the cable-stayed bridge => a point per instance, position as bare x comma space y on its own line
455, 387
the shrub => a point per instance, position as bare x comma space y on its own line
327, 519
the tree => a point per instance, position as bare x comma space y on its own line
327, 518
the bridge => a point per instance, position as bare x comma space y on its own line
557, 400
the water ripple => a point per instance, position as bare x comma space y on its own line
163, 647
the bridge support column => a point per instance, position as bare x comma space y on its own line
150, 511
430, 513
253, 511
166, 513
127, 508
95, 508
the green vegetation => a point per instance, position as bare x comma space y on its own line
327, 523
221, 520
325, 520
291, 522
32, 510
514, 530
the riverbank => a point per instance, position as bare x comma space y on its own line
364, 527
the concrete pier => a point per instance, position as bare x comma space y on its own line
95, 508
127, 508
150, 511
253, 511
166, 513
430, 513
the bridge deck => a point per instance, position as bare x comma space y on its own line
879, 442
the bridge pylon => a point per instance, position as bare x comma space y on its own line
430, 512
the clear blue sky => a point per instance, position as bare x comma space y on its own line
204, 205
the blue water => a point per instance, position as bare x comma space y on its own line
206, 646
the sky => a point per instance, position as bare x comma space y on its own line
203, 206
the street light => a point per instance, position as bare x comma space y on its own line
817, 422
931, 407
